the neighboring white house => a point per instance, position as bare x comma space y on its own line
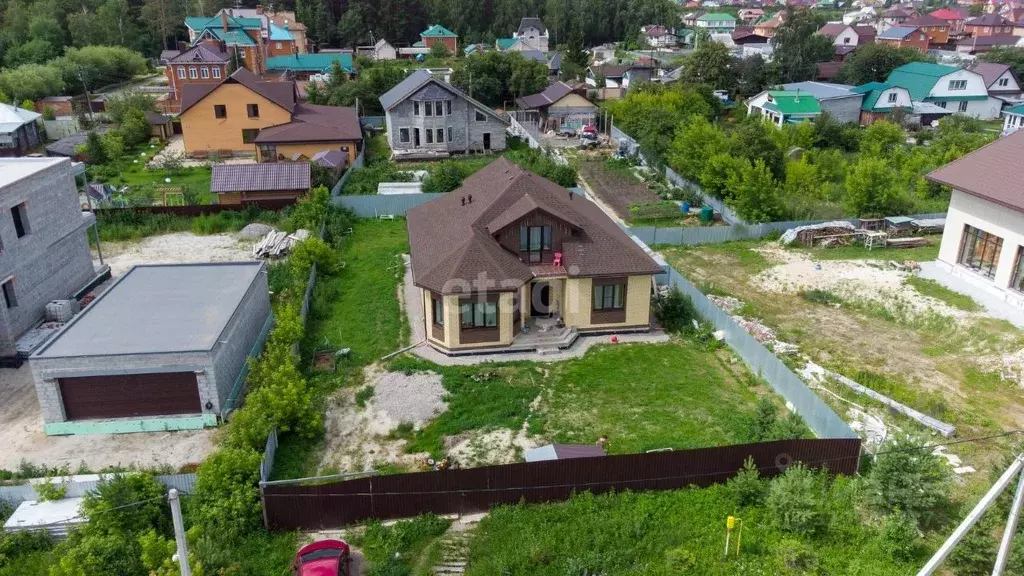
659, 36
955, 89
717, 21
382, 50
533, 32
603, 53
983, 240
1013, 119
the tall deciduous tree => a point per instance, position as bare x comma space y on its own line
798, 47
164, 16
712, 64
755, 193
874, 62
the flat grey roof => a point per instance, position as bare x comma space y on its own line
822, 90
157, 309
14, 169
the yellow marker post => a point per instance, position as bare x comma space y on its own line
730, 523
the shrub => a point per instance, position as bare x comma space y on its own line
675, 311
898, 538
908, 477
796, 501
310, 211
94, 151
49, 491
119, 104
444, 177
134, 127
796, 558
105, 507
747, 487
227, 496
765, 424
680, 561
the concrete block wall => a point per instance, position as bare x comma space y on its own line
52, 260
467, 132
231, 351
843, 109
46, 371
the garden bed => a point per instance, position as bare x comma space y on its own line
618, 189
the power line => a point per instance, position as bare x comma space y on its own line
98, 513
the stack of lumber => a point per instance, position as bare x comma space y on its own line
277, 244
808, 233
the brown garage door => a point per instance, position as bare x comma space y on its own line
132, 395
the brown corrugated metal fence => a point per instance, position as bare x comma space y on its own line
335, 504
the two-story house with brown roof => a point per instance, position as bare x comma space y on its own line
510, 256
243, 115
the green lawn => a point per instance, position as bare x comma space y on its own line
686, 396
357, 308
672, 533
130, 170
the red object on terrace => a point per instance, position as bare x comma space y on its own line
558, 259
590, 128
323, 558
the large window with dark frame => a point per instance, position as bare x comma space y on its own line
479, 314
1017, 279
533, 242
437, 309
608, 296
980, 251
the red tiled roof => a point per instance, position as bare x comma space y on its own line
453, 250
948, 14
259, 177
987, 173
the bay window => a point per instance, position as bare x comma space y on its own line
479, 314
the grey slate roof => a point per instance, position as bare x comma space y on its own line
266, 176
531, 23
822, 90
535, 55
897, 32
199, 53
550, 95
417, 80
157, 308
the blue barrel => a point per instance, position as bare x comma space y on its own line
685, 208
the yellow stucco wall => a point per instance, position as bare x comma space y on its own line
576, 309
572, 101
308, 150
451, 321
202, 130
505, 317
579, 302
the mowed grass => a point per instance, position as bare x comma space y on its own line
642, 397
859, 252
650, 396
357, 308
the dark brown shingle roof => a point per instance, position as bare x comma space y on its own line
311, 123
280, 93
452, 246
259, 177
987, 172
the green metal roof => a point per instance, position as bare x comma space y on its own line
865, 88
233, 37
1017, 110
919, 77
717, 17
278, 34
198, 23
437, 31
419, 44
793, 102
504, 43
310, 62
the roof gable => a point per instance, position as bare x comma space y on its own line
280, 93
420, 78
453, 250
438, 31
200, 53
535, 23
919, 77
983, 173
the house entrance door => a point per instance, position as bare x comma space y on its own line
540, 299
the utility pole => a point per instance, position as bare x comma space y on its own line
88, 98
179, 532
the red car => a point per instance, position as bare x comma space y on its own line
323, 558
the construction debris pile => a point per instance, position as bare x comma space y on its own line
759, 331
809, 233
277, 244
